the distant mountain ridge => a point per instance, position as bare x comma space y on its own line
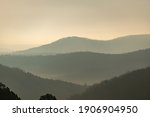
29, 86
131, 86
80, 67
78, 44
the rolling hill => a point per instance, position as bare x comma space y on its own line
78, 44
28, 86
130, 86
80, 67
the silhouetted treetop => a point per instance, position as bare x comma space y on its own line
48, 97
6, 94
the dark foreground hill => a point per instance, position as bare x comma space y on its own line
78, 44
28, 86
7, 94
81, 67
131, 86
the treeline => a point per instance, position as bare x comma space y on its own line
7, 94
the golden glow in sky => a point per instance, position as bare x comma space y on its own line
28, 23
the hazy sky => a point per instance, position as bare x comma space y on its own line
27, 23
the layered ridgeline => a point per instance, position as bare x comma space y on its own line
78, 44
7, 94
28, 86
80, 67
131, 86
